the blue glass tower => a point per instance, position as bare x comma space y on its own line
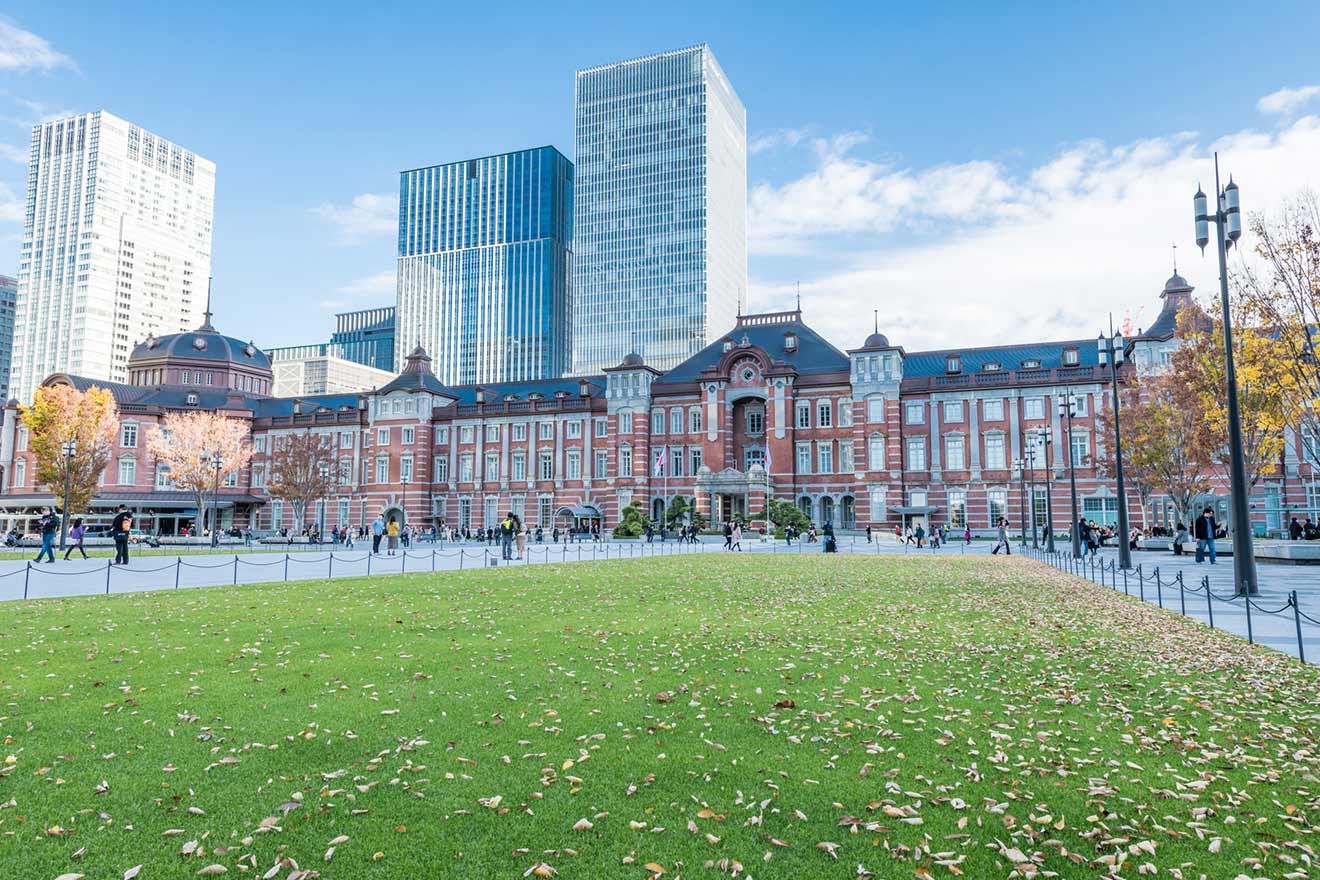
485, 266
366, 337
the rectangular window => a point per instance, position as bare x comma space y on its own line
657, 421
625, 422
346, 440
958, 508
998, 501
601, 427
343, 512
20, 472
1033, 407
520, 431
574, 428
409, 435
465, 463
877, 504
676, 421
573, 464
694, 419
441, 469
953, 410
492, 466
258, 476
1081, 448
492, 433
22, 441
544, 511
845, 413
824, 414
382, 436
230, 480
547, 464
914, 413
383, 469
875, 410
875, 452
466, 434
1102, 510
955, 452
755, 421
545, 430
602, 463
804, 458
695, 458
442, 435
128, 435
520, 509
625, 461
465, 513
995, 458
992, 410
259, 444
276, 514
845, 456
519, 465
127, 471
345, 471
803, 414
916, 453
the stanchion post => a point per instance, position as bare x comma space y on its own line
1209, 600
178, 565
286, 568
27, 575
369, 555
432, 559
1297, 620
1182, 595
1246, 602
107, 579
330, 569
1159, 592
235, 569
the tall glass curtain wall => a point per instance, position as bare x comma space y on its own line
485, 262
642, 276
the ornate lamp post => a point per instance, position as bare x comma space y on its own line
216, 461
1020, 466
1048, 435
1068, 408
1031, 480
70, 449
1111, 353
1227, 218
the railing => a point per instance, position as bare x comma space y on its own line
1043, 376
1095, 570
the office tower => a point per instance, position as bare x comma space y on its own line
365, 336
661, 209
317, 371
116, 247
8, 293
485, 266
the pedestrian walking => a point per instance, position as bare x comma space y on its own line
46, 527
1206, 530
736, 537
728, 536
868, 534
520, 535
120, 529
1002, 539
920, 535
76, 536
506, 537
829, 545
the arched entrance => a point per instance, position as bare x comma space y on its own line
847, 512
397, 513
657, 509
804, 505
827, 510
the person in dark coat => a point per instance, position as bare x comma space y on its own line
1205, 530
1294, 530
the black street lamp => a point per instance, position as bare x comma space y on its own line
1112, 353
217, 462
1047, 435
70, 449
1068, 408
1227, 218
1031, 480
1020, 466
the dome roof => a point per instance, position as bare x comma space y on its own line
632, 360
876, 340
203, 344
1177, 282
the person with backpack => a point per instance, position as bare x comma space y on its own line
506, 537
76, 536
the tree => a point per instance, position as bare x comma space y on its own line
186, 443
632, 522
1284, 296
678, 511
785, 513
300, 471
1162, 429
1266, 390
89, 418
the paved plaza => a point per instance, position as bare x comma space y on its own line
161, 570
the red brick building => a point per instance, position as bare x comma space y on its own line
872, 436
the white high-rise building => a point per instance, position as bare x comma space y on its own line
116, 247
660, 209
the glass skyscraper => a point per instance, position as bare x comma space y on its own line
485, 266
365, 336
661, 209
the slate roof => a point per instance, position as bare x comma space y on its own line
270, 407
1009, 357
497, 391
813, 355
416, 376
172, 396
203, 344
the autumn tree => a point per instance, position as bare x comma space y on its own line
1161, 429
188, 444
1266, 389
1282, 293
300, 470
60, 413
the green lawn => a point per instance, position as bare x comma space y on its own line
706, 716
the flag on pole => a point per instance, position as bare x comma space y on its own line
661, 458
767, 460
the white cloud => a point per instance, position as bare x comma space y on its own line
1002, 257
1285, 102
369, 215
11, 210
24, 50
13, 153
783, 137
369, 290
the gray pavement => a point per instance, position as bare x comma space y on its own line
1274, 620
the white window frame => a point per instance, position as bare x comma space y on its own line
914, 413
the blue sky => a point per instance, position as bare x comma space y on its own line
969, 171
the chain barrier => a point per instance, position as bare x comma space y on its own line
1065, 562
